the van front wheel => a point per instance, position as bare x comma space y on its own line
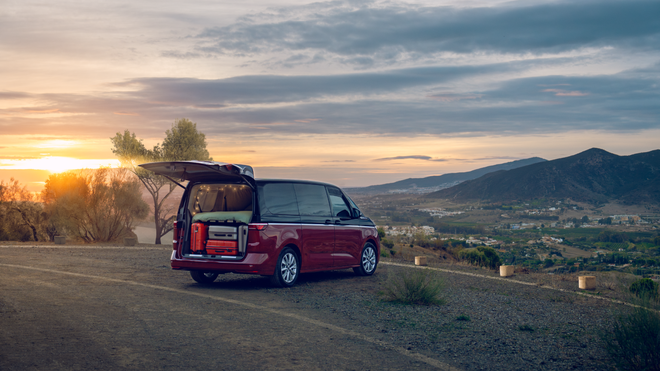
367, 261
287, 269
203, 277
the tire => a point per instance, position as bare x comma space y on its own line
368, 261
287, 269
204, 278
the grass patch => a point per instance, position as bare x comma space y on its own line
634, 342
645, 288
463, 317
527, 328
414, 286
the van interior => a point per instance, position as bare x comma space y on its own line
221, 203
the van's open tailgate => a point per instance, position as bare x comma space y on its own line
192, 170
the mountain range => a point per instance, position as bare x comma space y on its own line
594, 176
437, 182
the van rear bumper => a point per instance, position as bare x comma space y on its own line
254, 263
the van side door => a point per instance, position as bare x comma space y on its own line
318, 230
348, 232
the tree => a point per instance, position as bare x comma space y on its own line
20, 209
94, 205
182, 143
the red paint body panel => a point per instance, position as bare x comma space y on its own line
263, 249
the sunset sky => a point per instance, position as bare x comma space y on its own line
354, 93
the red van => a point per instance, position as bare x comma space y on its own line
228, 221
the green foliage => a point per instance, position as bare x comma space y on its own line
387, 243
463, 317
609, 236
182, 142
527, 328
634, 341
96, 206
481, 256
547, 263
414, 286
645, 288
381, 233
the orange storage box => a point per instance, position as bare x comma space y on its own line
220, 247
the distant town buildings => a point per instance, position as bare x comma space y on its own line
408, 231
440, 212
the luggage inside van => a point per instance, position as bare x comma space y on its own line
223, 240
198, 238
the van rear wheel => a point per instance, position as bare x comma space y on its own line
287, 269
367, 261
203, 277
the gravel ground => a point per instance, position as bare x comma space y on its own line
485, 324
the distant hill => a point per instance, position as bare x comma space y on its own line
594, 176
437, 182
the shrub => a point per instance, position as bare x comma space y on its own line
463, 317
645, 288
634, 342
416, 286
387, 243
481, 256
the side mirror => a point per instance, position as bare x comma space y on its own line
356, 213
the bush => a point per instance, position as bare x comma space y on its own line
94, 205
634, 342
416, 286
645, 288
387, 243
481, 256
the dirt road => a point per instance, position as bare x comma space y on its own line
112, 307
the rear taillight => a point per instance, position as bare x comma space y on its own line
176, 233
257, 226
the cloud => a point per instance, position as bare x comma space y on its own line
13, 95
390, 103
565, 93
411, 157
361, 32
452, 97
260, 89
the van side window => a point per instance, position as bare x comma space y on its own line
339, 207
277, 199
312, 200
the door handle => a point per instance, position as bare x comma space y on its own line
328, 221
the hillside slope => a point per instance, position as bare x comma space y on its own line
593, 176
445, 180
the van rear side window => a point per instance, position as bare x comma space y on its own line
312, 200
277, 199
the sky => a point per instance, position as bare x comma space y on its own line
353, 93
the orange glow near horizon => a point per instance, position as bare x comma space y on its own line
57, 164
